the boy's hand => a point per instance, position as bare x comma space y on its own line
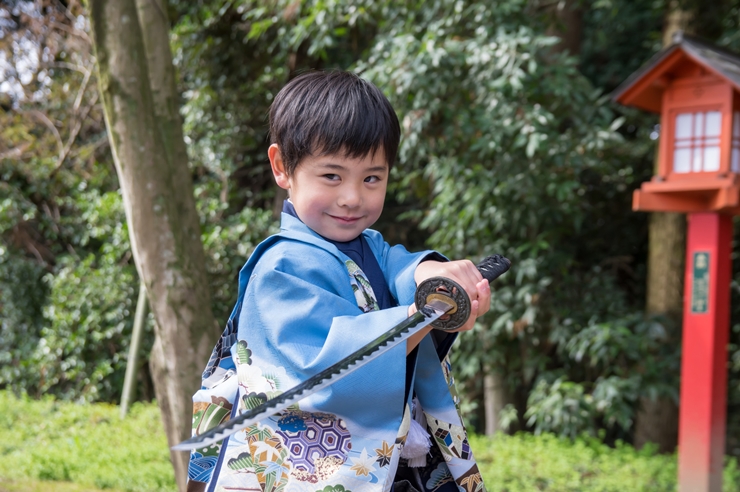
466, 274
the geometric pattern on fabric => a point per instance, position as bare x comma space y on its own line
317, 443
451, 439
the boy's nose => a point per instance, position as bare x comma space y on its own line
350, 196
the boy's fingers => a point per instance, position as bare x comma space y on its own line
484, 297
471, 320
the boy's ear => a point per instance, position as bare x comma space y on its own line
278, 167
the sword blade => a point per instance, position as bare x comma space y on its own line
393, 337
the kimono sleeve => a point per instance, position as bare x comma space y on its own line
398, 266
300, 316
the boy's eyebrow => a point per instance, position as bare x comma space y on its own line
339, 167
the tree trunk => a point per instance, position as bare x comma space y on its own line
657, 420
146, 139
566, 22
495, 397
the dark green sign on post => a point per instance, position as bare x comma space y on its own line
700, 283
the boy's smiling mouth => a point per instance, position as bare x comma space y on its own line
345, 220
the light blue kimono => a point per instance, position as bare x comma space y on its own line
302, 306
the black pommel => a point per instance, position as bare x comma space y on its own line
444, 289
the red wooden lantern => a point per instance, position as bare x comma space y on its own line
696, 89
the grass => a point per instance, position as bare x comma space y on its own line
86, 445
53, 446
29, 485
525, 462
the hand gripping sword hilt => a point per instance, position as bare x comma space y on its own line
441, 288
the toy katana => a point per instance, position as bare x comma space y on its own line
440, 302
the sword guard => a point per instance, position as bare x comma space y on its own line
448, 291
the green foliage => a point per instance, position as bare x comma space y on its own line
65, 263
637, 25
68, 283
91, 446
23, 295
524, 157
86, 444
228, 240
524, 462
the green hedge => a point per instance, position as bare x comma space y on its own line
91, 446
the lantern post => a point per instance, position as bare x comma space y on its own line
695, 87
706, 320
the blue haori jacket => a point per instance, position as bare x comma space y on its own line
302, 306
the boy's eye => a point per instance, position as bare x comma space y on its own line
331, 177
372, 179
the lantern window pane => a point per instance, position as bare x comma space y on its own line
735, 160
697, 141
713, 124
698, 125
711, 159
696, 161
736, 124
682, 160
683, 125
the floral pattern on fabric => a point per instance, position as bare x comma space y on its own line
364, 294
258, 384
472, 481
363, 464
205, 417
334, 488
384, 454
267, 459
440, 476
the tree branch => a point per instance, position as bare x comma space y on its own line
15, 152
73, 135
81, 91
46, 121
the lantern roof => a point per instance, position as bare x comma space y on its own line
645, 86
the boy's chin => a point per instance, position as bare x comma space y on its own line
339, 234
341, 237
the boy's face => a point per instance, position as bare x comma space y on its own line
336, 196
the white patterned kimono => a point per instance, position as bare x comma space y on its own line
302, 306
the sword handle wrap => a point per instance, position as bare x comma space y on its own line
439, 287
493, 266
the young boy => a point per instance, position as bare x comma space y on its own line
320, 289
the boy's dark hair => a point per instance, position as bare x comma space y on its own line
321, 113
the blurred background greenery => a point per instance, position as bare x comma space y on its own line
52, 446
510, 145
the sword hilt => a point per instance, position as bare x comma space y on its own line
450, 292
